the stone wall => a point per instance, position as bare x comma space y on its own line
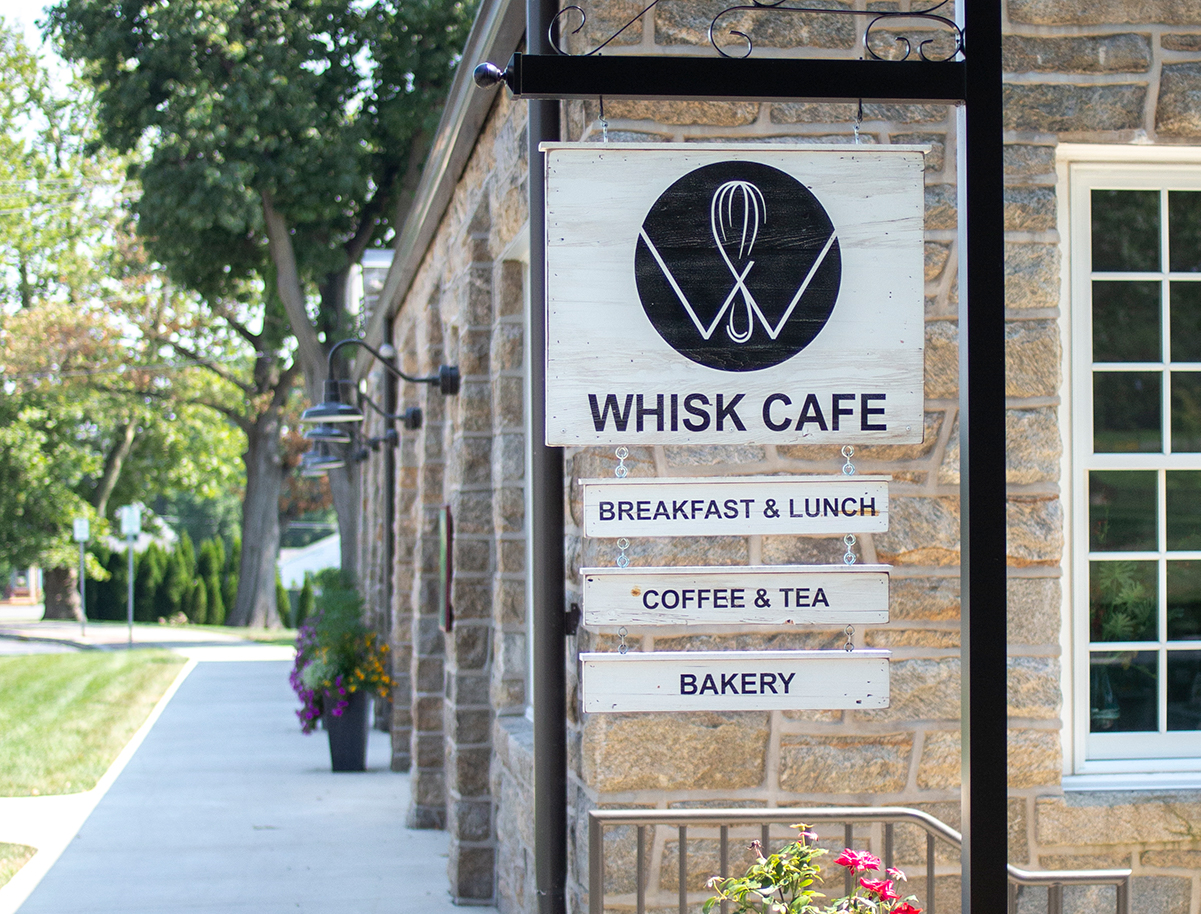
1108, 71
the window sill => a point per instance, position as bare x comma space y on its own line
1132, 781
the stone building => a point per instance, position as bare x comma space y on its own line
1103, 250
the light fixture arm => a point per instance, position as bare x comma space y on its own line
410, 418
447, 378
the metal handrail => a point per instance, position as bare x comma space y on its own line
889, 816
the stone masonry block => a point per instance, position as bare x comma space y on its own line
1032, 446
1178, 112
714, 114
1035, 758
1035, 531
942, 360
921, 531
688, 23
845, 764
1033, 687
1180, 42
1105, 819
685, 751
472, 872
924, 599
1029, 209
940, 761
1030, 161
1032, 359
1123, 53
1031, 276
1065, 108
1033, 610
921, 689
1104, 12
941, 209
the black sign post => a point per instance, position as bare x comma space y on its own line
973, 81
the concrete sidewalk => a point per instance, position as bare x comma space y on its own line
227, 807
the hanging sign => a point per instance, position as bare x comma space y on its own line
735, 506
734, 680
722, 294
754, 594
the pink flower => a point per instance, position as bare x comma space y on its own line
858, 860
896, 874
906, 908
881, 887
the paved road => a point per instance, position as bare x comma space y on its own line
228, 808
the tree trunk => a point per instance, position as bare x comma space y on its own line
123, 437
60, 590
255, 605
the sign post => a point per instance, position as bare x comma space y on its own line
131, 528
82, 533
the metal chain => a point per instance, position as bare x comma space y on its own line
848, 468
850, 633
622, 471
623, 560
604, 123
622, 647
858, 121
849, 541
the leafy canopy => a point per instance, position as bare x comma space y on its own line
320, 105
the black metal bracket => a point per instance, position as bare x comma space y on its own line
571, 624
552, 76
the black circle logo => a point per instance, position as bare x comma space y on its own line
737, 266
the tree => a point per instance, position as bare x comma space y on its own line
286, 137
72, 445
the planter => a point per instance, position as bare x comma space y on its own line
348, 733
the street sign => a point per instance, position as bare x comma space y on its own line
738, 595
723, 294
734, 680
82, 530
735, 506
131, 521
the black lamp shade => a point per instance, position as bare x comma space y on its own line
331, 434
332, 409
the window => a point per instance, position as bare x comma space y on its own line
1135, 248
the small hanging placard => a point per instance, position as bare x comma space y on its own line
735, 506
734, 680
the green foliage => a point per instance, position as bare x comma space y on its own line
307, 603
336, 654
283, 603
198, 607
169, 599
784, 883
314, 102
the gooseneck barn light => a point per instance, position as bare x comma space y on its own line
332, 409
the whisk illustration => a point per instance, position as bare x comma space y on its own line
736, 213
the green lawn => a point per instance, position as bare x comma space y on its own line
65, 717
12, 858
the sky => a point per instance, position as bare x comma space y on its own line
25, 12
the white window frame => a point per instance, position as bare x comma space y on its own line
1117, 760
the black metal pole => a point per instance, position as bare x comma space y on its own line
982, 461
546, 528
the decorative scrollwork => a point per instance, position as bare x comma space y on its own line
877, 20
554, 43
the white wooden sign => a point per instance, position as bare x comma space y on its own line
735, 505
754, 594
722, 294
734, 680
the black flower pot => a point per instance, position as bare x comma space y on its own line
347, 732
